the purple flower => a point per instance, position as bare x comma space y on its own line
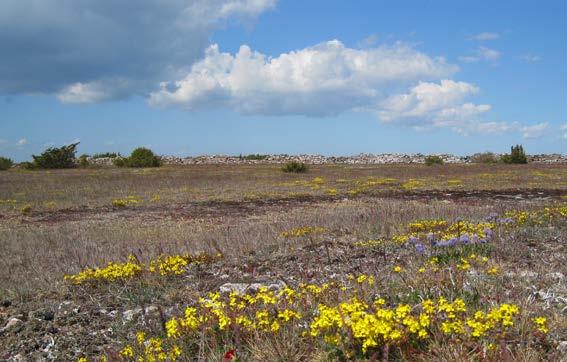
452, 241
464, 239
420, 248
492, 217
413, 239
489, 233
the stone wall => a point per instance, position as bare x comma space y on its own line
361, 159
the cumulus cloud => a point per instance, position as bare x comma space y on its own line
93, 50
485, 36
482, 54
534, 131
22, 142
325, 79
440, 105
530, 58
398, 83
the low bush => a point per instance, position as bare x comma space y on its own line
295, 167
26, 165
143, 157
484, 157
119, 161
5, 163
105, 155
516, 156
433, 160
140, 157
84, 161
256, 157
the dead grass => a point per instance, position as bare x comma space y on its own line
81, 229
76, 189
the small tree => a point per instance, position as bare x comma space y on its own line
517, 155
63, 157
143, 157
5, 163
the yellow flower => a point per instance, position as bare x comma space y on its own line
541, 324
141, 337
127, 352
493, 271
172, 328
397, 269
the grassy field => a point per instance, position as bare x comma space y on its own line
385, 262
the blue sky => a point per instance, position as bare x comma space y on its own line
265, 76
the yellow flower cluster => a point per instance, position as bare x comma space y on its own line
439, 229
8, 202
129, 200
541, 324
355, 323
538, 217
499, 318
303, 231
151, 350
376, 325
111, 272
373, 243
176, 264
412, 184
163, 265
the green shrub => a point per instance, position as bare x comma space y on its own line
485, 157
105, 155
295, 167
516, 156
256, 157
26, 165
26, 210
433, 160
119, 162
5, 163
143, 157
84, 161
63, 157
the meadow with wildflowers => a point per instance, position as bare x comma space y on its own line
331, 265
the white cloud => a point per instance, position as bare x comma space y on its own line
324, 79
398, 83
22, 142
488, 54
440, 105
530, 58
482, 54
485, 36
534, 131
96, 91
